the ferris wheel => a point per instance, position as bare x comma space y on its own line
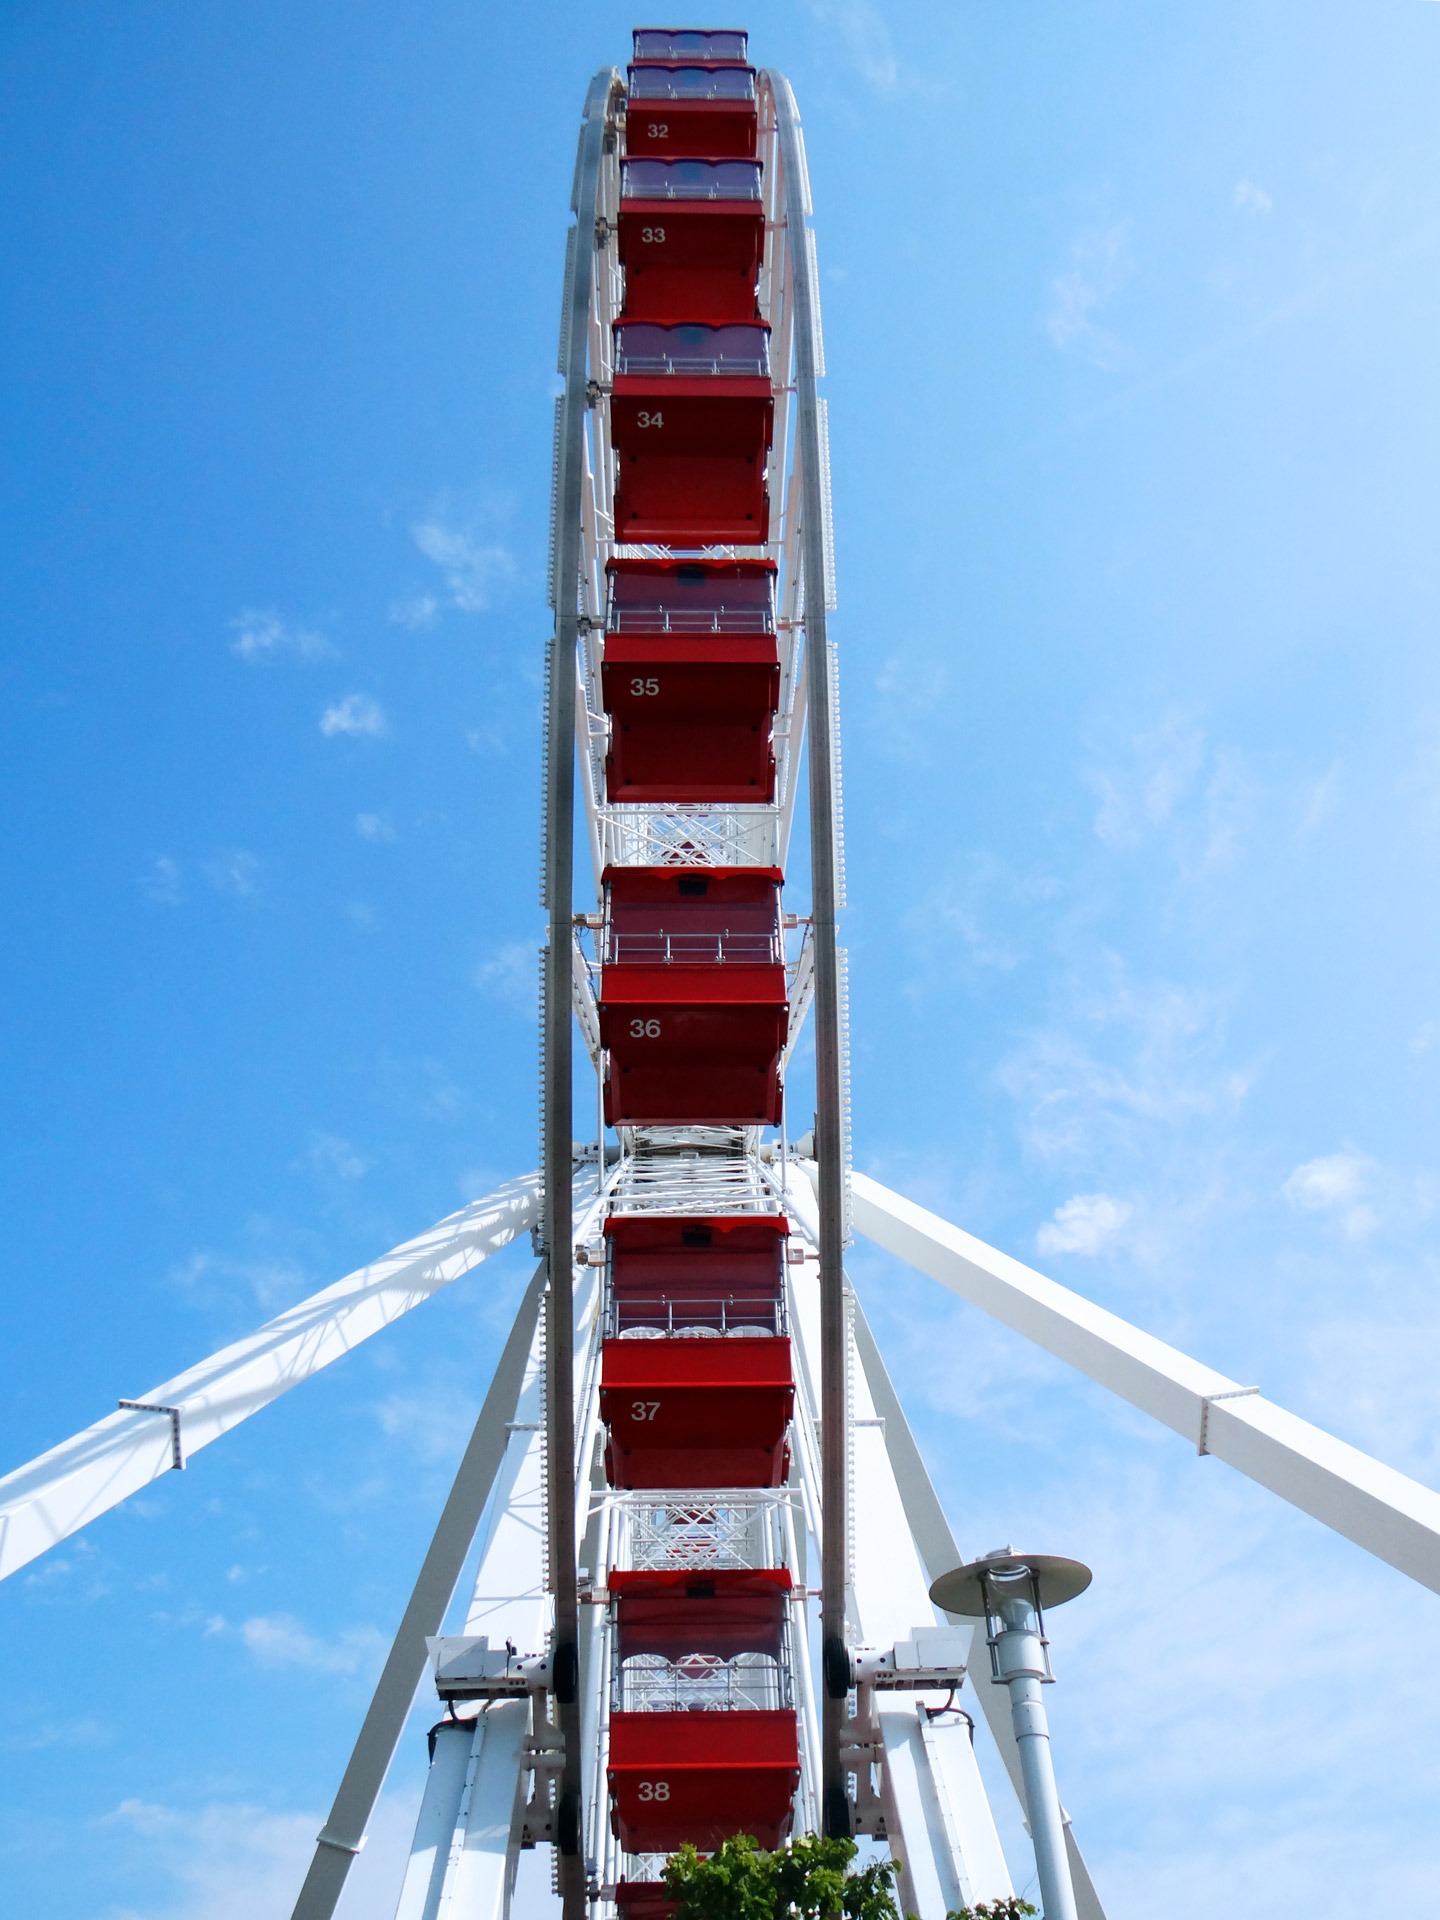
716, 1591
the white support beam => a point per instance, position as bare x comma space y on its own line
64, 1489
1388, 1514
936, 1545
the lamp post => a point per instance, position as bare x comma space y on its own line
1010, 1592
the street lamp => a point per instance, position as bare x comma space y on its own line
1010, 1591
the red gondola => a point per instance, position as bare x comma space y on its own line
693, 1007
691, 681
702, 1777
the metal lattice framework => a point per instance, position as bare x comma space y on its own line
839, 1546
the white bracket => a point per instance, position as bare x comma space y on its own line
177, 1457
467, 1667
1230, 1393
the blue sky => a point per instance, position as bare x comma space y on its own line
1131, 319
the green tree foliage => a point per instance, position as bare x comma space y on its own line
806, 1880
1007, 1909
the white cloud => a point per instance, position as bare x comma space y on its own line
1254, 199
511, 976
278, 1640
1169, 781
860, 29
472, 565
329, 1154
1165, 763
1099, 264
234, 870
986, 906
1321, 800
213, 1280
418, 611
374, 827
1372, 1381
1083, 1224
1337, 1184
357, 714
912, 691
436, 1425
223, 1863
80, 1731
232, 1860
260, 634
161, 883
1129, 1063
490, 739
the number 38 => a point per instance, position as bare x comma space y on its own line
654, 1789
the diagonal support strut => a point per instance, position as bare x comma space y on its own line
343, 1834
1390, 1515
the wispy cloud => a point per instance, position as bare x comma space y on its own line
356, 715
911, 691
235, 871
1083, 1224
279, 1640
231, 1860
260, 634
860, 29
1124, 1060
985, 905
214, 1280
510, 976
374, 827
73, 1575
1340, 1185
490, 740
473, 565
1252, 198
161, 881
80, 1731
434, 1425
1169, 780
418, 610
222, 1862
1098, 263
329, 1154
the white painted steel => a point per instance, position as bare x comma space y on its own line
424, 1882
937, 1818
464, 1860
343, 1834
1023, 1666
55, 1495
461, 1861
1395, 1518
939, 1553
